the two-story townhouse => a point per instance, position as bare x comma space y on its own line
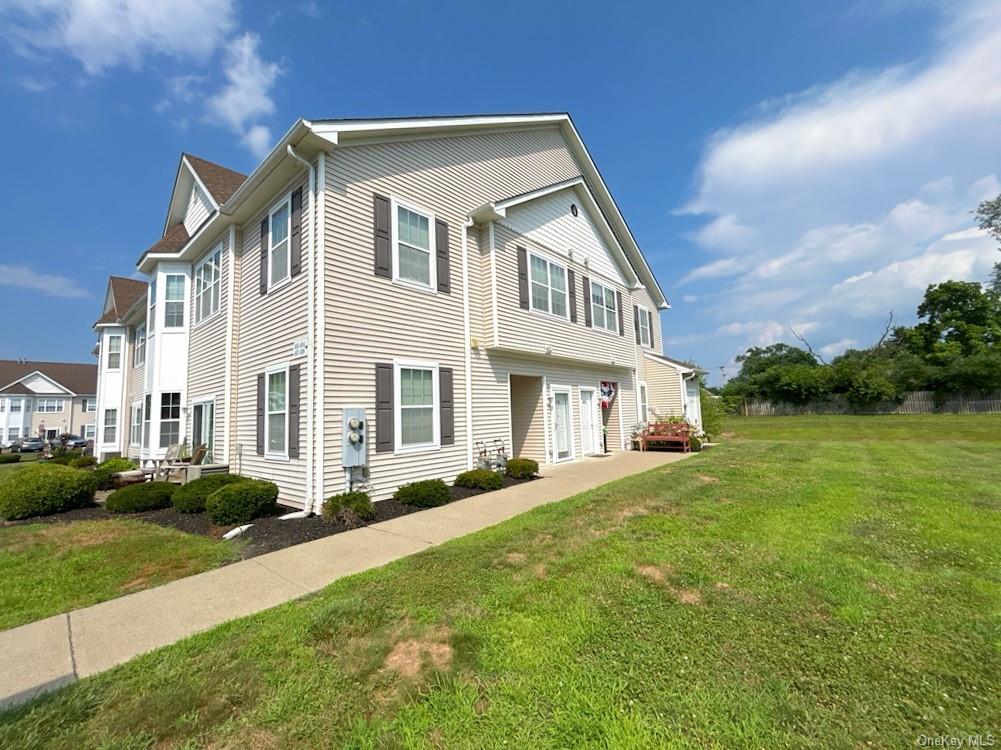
46, 399
380, 298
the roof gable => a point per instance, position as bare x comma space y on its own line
216, 183
122, 295
19, 376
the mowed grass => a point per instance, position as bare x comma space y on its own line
939, 428
761, 594
48, 568
27, 459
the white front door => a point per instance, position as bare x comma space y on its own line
562, 429
587, 421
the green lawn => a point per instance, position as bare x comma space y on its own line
48, 568
975, 428
26, 460
762, 594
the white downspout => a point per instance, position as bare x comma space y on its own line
309, 499
467, 346
228, 368
320, 245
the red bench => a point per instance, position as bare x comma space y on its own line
670, 433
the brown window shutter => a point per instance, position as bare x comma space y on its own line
293, 411
446, 405
650, 325
636, 322
441, 251
618, 303
522, 278
384, 431
260, 415
383, 237
295, 246
572, 286
264, 256
587, 301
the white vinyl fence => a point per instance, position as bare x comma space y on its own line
915, 402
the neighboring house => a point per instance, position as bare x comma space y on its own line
670, 388
46, 398
449, 282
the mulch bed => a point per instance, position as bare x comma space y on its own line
265, 535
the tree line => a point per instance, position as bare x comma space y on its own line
954, 348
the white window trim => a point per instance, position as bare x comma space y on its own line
275, 455
553, 390
217, 250
91, 405
185, 313
202, 401
104, 427
288, 244
92, 428
641, 386
107, 354
136, 361
549, 286
644, 316
595, 418
45, 400
160, 421
604, 309
135, 408
435, 444
432, 286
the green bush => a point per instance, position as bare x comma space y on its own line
64, 457
425, 494
104, 470
9, 458
84, 461
137, 498
479, 479
712, 414
43, 489
522, 468
191, 497
350, 503
241, 502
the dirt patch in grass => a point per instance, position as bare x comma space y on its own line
651, 573
688, 596
706, 478
409, 658
516, 558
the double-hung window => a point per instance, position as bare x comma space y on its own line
147, 411
89, 431
139, 355
90, 404
48, 405
110, 425
604, 311
15, 405
276, 418
13, 433
207, 275
173, 301
643, 404
413, 246
549, 286
114, 359
644, 321
417, 405
136, 423
170, 419
280, 220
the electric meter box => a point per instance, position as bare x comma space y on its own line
355, 430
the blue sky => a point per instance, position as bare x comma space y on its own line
783, 164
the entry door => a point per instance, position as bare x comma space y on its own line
562, 437
203, 427
587, 421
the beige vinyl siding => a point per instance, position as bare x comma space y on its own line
528, 430
664, 394
371, 319
207, 351
71, 419
198, 209
268, 325
135, 391
78, 417
642, 297
533, 331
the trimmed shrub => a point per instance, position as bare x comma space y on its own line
104, 470
83, 462
63, 457
343, 507
137, 498
43, 489
428, 493
522, 468
9, 458
191, 497
479, 479
241, 502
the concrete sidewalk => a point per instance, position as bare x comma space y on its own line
49, 653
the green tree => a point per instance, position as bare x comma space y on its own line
958, 318
988, 216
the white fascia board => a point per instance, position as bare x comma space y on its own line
198, 180
328, 128
39, 373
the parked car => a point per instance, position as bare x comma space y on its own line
28, 445
72, 441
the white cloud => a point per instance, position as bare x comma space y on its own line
24, 277
310, 8
35, 84
246, 97
725, 232
714, 270
691, 299
102, 34
837, 347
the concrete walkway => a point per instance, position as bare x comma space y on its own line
49, 653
